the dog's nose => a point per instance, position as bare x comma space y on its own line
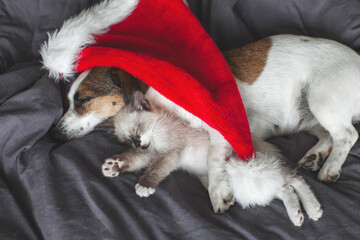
136, 141
57, 135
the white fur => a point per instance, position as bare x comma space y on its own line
257, 182
323, 74
63, 47
266, 177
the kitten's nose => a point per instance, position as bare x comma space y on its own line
136, 141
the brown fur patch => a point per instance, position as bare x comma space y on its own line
97, 83
103, 106
248, 62
330, 148
106, 91
128, 83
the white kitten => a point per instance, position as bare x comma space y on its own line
163, 143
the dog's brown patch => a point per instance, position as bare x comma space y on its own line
128, 83
99, 82
105, 91
102, 106
329, 150
248, 62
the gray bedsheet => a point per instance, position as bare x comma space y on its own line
50, 190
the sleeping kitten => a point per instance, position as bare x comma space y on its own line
163, 143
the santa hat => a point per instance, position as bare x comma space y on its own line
163, 44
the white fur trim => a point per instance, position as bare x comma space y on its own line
258, 181
61, 50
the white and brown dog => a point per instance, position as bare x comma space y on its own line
293, 83
287, 83
94, 96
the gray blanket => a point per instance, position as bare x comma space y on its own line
50, 190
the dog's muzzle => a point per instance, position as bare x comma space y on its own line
73, 126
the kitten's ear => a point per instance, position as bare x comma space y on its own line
107, 126
138, 101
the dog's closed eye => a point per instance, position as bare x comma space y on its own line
80, 101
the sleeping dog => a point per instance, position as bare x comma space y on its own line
95, 95
287, 83
294, 83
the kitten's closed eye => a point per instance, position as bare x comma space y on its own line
127, 143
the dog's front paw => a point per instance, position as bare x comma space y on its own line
221, 199
142, 191
329, 173
112, 167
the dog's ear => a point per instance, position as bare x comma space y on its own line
138, 101
107, 126
127, 83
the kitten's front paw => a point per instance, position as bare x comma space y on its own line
111, 167
221, 199
142, 191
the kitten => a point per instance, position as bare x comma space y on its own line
163, 143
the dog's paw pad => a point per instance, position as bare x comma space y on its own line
111, 167
142, 191
311, 162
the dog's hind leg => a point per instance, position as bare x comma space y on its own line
292, 205
315, 157
307, 198
333, 107
344, 137
335, 114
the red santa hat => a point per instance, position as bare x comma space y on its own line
163, 44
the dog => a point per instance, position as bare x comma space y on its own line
94, 96
294, 83
285, 82
162, 143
